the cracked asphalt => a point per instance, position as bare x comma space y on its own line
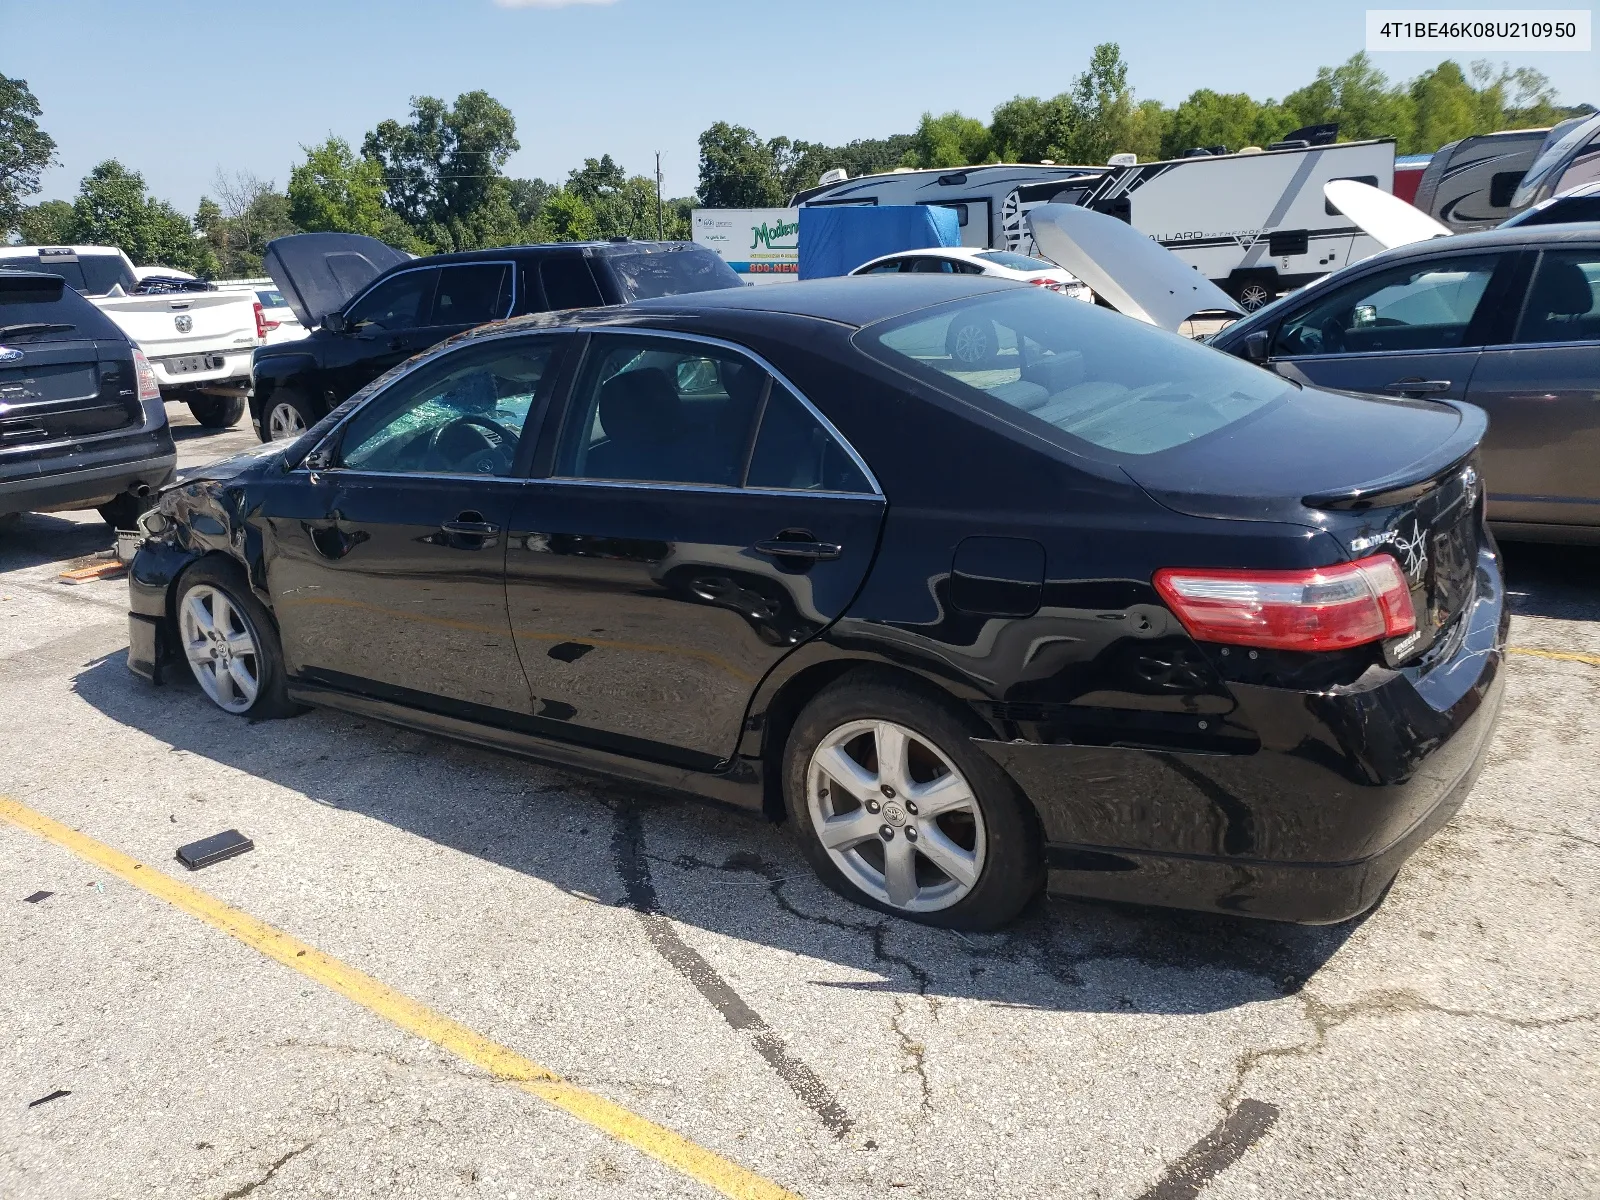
681, 961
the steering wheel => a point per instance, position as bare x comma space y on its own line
486, 446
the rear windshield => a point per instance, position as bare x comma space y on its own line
46, 303
1081, 376
272, 299
642, 274
91, 274
1016, 262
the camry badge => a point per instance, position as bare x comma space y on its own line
1413, 551
184, 322
9, 354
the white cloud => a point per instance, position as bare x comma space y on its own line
548, 3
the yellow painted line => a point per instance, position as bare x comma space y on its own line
657, 1141
1560, 655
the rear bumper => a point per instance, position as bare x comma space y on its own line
1314, 825
88, 477
233, 366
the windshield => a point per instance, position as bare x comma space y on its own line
90, 274
643, 274
1016, 262
1550, 160
1104, 381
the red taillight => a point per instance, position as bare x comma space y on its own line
1323, 608
1053, 285
149, 387
261, 321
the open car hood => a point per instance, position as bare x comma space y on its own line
1387, 219
318, 273
1135, 275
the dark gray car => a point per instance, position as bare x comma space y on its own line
1508, 320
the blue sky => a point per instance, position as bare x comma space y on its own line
178, 88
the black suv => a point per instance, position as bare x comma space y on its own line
81, 419
370, 306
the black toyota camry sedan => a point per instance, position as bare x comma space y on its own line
1112, 610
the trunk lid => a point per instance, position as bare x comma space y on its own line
1387, 219
66, 389
1378, 475
185, 322
1135, 275
319, 273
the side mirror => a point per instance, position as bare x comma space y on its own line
334, 322
1255, 346
1363, 316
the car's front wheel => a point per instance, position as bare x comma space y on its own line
896, 809
287, 416
230, 642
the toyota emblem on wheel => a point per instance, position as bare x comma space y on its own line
184, 322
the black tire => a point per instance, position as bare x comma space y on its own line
124, 511
974, 342
1012, 867
217, 412
271, 698
291, 402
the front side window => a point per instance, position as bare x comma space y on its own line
651, 410
1418, 306
471, 294
402, 302
1564, 302
1074, 374
463, 414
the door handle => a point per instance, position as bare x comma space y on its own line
811, 550
1419, 387
399, 343
472, 528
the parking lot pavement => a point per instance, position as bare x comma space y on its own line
680, 961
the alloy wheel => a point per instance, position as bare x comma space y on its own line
220, 647
284, 422
1253, 296
971, 344
896, 816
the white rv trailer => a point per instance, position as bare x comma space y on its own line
1255, 223
1469, 183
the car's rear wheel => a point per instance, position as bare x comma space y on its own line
287, 416
896, 809
217, 412
230, 642
972, 342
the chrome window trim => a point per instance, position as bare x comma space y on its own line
441, 267
778, 376
709, 489
633, 331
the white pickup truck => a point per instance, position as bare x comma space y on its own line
198, 340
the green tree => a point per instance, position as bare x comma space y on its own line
1234, 120
1103, 109
52, 223
336, 190
1358, 97
1444, 107
114, 208
738, 169
25, 150
248, 213
528, 197
442, 167
1027, 129
949, 140
566, 218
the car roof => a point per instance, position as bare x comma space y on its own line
540, 249
1492, 239
845, 300
33, 251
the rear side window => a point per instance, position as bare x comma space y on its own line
89, 274
793, 451
1564, 302
30, 301
272, 299
642, 274
472, 294
568, 283
1075, 374
1016, 262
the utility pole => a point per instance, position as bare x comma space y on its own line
661, 220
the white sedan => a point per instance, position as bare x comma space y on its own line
965, 260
